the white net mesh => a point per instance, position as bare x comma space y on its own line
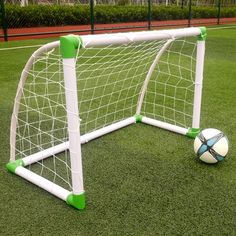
109, 84
170, 93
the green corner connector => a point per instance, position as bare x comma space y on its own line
77, 201
69, 45
11, 166
138, 118
203, 34
193, 132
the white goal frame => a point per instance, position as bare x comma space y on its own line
68, 46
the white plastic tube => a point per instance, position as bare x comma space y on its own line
107, 129
38, 156
164, 125
19, 92
42, 183
149, 75
73, 125
198, 84
125, 38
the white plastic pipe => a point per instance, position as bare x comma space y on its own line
198, 84
125, 38
149, 75
42, 183
19, 92
164, 125
38, 156
108, 129
73, 125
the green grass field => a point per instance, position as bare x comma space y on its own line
138, 181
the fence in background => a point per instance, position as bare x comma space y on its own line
10, 25
121, 2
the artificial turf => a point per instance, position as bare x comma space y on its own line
138, 181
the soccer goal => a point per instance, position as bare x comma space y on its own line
82, 87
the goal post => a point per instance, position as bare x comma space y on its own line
68, 46
82, 87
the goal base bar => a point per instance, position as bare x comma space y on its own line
75, 200
38, 156
189, 132
164, 125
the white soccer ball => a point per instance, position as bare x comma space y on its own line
211, 145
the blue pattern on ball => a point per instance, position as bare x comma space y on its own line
202, 149
212, 141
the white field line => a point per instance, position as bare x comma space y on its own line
22, 47
222, 27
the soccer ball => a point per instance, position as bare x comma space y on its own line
211, 145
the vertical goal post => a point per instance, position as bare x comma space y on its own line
82, 87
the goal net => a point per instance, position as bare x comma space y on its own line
80, 88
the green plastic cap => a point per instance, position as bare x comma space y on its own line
11, 166
138, 118
193, 132
203, 34
69, 45
77, 201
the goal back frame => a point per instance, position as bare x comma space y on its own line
68, 47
